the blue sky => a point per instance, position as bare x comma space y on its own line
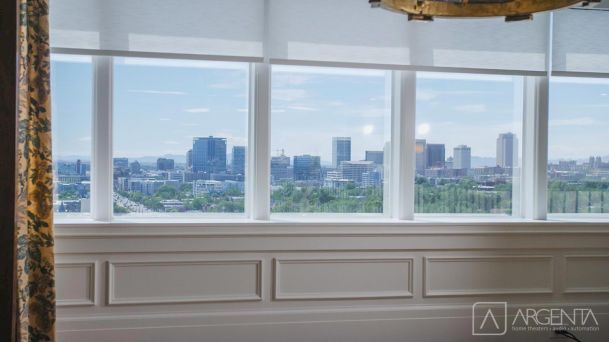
161, 104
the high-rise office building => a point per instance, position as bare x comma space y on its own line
435, 155
341, 150
462, 157
209, 155
421, 156
353, 170
189, 159
307, 167
375, 156
238, 162
165, 164
507, 150
135, 167
280, 168
120, 163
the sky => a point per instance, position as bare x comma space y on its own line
160, 105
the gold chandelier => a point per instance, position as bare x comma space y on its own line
512, 10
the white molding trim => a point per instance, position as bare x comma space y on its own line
427, 261
112, 300
277, 295
92, 269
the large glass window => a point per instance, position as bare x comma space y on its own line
578, 153
330, 131
72, 84
180, 136
468, 143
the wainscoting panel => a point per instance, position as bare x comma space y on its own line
184, 281
473, 275
75, 283
362, 278
587, 273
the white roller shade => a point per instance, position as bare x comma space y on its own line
482, 43
202, 27
337, 31
581, 41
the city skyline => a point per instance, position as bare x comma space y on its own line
438, 103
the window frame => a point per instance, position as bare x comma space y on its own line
398, 202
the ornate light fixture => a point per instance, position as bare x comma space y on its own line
512, 10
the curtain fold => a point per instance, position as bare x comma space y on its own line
34, 178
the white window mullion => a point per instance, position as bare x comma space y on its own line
101, 168
403, 141
535, 147
259, 156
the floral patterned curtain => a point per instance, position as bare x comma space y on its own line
34, 178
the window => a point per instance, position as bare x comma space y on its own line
468, 143
180, 136
578, 153
71, 81
330, 131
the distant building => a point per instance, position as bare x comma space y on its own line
435, 155
135, 167
238, 162
202, 187
209, 155
189, 159
341, 150
372, 179
507, 150
307, 168
353, 170
280, 168
165, 164
462, 157
421, 156
120, 163
375, 157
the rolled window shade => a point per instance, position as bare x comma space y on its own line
233, 28
346, 31
581, 41
482, 44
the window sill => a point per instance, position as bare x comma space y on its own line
297, 226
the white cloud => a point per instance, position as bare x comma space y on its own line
423, 129
302, 108
426, 95
585, 121
197, 110
289, 94
367, 129
471, 108
156, 92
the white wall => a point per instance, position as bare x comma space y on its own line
321, 282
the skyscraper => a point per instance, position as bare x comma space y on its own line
307, 167
462, 157
238, 163
421, 150
209, 155
120, 163
165, 164
375, 156
280, 168
341, 150
507, 150
436, 155
189, 159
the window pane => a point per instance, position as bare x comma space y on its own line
578, 153
72, 87
468, 143
180, 136
330, 133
